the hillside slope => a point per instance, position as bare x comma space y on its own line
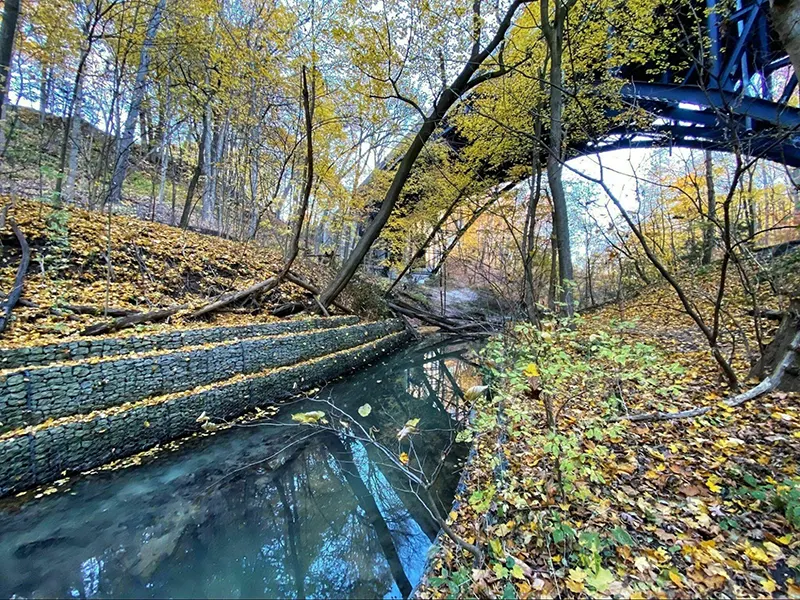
151, 265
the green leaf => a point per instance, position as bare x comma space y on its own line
622, 536
365, 410
500, 571
509, 593
496, 548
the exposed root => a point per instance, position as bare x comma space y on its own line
767, 385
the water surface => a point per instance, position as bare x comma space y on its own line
267, 510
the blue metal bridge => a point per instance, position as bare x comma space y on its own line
737, 98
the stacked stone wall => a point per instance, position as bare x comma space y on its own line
31, 396
43, 454
13, 358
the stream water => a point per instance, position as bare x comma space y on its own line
265, 510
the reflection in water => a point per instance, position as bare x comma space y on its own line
271, 510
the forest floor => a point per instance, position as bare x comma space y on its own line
151, 266
607, 507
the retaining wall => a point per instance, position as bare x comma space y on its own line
73, 445
30, 396
13, 358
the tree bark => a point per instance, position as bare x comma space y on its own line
8, 33
554, 34
131, 320
190, 190
75, 132
711, 215
786, 20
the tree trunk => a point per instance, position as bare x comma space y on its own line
786, 20
75, 134
7, 34
188, 205
126, 141
711, 216
554, 34
207, 206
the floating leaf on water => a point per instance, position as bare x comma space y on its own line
364, 410
309, 418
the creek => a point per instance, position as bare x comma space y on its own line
263, 509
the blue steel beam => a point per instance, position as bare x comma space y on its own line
767, 112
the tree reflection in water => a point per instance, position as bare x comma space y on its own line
236, 515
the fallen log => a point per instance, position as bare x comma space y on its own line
131, 320
16, 292
469, 328
80, 309
773, 315
225, 300
288, 309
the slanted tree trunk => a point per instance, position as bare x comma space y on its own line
777, 349
190, 190
13, 296
126, 141
466, 80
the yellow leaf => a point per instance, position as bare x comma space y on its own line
768, 585
757, 554
404, 458
532, 370
712, 482
575, 586
577, 575
676, 578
